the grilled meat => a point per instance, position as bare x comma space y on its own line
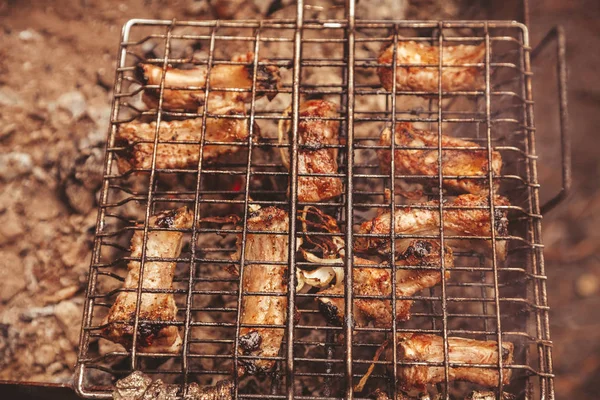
260, 309
464, 163
139, 386
313, 158
430, 348
377, 282
333, 308
185, 89
425, 78
475, 395
381, 395
139, 139
157, 309
222, 390
465, 221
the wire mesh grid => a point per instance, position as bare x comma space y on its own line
487, 296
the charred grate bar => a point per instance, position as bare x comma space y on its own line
195, 221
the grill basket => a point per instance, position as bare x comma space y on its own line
485, 298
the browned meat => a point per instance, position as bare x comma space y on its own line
333, 308
467, 221
222, 390
423, 78
313, 158
266, 278
430, 348
139, 139
377, 282
139, 386
381, 395
161, 308
178, 95
463, 163
475, 395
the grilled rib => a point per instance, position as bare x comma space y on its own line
377, 282
139, 386
333, 307
475, 395
158, 307
313, 158
381, 395
222, 390
464, 221
425, 78
430, 348
223, 127
259, 309
178, 95
464, 162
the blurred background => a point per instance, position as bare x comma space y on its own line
57, 61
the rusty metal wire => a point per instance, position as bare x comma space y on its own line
485, 299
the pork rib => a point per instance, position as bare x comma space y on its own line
139, 138
178, 95
160, 336
467, 163
430, 348
314, 133
265, 278
465, 220
425, 78
377, 282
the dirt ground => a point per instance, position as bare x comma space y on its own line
56, 69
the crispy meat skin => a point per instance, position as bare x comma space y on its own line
377, 282
176, 96
430, 348
264, 310
467, 163
420, 78
176, 155
157, 275
314, 158
457, 222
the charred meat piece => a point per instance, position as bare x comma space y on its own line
466, 163
185, 88
265, 278
158, 336
430, 348
465, 220
222, 390
315, 132
223, 127
333, 308
381, 395
139, 386
475, 395
377, 282
410, 281
417, 77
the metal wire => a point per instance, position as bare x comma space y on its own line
319, 360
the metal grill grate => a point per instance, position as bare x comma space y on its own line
486, 298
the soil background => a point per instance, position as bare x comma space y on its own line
57, 62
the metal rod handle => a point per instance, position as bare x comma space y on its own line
558, 34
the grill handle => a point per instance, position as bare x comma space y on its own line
558, 34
